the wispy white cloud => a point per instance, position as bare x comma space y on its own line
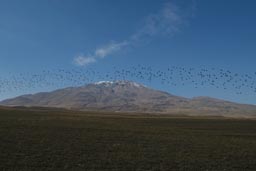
109, 49
167, 21
99, 53
84, 60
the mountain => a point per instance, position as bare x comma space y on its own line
130, 96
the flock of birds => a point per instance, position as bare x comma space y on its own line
171, 76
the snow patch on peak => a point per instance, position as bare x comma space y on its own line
136, 84
119, 82
104, 82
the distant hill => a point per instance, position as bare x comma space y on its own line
128, 96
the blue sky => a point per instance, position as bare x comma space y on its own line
99, 35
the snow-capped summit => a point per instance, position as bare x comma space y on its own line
103, 82
119, 82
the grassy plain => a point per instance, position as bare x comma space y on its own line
41, 139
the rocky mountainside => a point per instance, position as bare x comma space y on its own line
130, 97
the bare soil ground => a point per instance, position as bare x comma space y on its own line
41, 139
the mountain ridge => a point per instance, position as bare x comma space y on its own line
129, 96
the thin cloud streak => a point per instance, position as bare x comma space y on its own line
109, 49
167, 21
83, 60
99, 53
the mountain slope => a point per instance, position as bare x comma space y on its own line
129, 96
